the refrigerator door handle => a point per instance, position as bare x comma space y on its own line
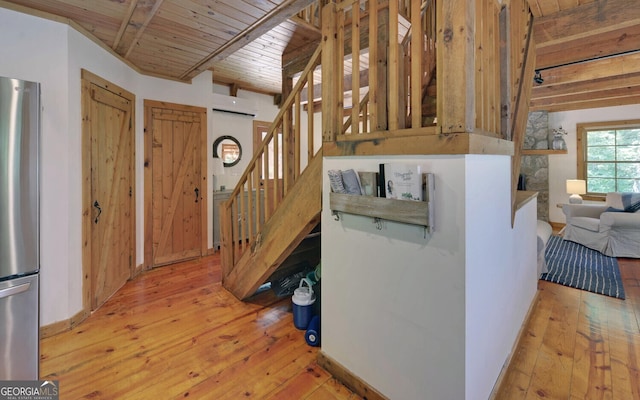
14, 290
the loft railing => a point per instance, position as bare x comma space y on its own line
391, 54
310, 15
390, 93
273, 170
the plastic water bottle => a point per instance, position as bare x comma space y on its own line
312, 336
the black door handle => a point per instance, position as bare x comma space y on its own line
97, 205
197, 193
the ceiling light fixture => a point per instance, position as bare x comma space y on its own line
538, 78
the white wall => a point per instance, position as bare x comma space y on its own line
429, 317
36, 50
501, 272
563, 167
240, 127
53, 54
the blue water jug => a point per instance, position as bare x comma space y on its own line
303, 299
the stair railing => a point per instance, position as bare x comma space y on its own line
273, 170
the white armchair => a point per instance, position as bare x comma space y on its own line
615, 234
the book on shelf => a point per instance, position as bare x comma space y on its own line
381, 182
401, 181
369, 183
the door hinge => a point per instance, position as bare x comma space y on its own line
130, 191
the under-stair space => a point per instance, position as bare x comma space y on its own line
301, 263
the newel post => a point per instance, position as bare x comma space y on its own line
331, 99
455, 60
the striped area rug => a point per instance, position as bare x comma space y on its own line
571, 264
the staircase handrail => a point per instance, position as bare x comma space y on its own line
245, 234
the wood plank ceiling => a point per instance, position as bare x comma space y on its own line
585, 48
242, 41
587, 52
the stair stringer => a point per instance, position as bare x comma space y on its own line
295, 218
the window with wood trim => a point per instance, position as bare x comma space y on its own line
609, 156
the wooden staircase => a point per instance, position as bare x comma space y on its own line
292, 221
478, 113
290, 196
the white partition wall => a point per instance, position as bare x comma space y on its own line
429, 316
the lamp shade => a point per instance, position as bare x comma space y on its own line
576, 186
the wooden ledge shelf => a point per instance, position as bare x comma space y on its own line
542, 152
523, 197
405, 211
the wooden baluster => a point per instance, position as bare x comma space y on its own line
250, 207
310, 119
296, 138
355, 70
393, 67
416, 65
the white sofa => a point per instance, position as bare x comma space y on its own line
613, 233
543, 232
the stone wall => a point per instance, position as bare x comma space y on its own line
536, 168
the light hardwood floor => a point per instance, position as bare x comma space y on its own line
174, 332
579, 345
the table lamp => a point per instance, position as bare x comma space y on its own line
576, 187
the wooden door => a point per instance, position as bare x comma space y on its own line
109, 187
178, 183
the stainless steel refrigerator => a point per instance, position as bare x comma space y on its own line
19, 229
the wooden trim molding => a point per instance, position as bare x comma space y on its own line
521, 336
556, 226
348, 378
581, 147
541, 152
429, 144
64, 325
523, 197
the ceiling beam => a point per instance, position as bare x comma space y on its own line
601, 83
585, 87
124, 23
269, 21
594, 99
587, 31
140, 31
240, 85
591, 70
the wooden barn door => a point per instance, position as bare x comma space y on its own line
178, 181
108, 156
